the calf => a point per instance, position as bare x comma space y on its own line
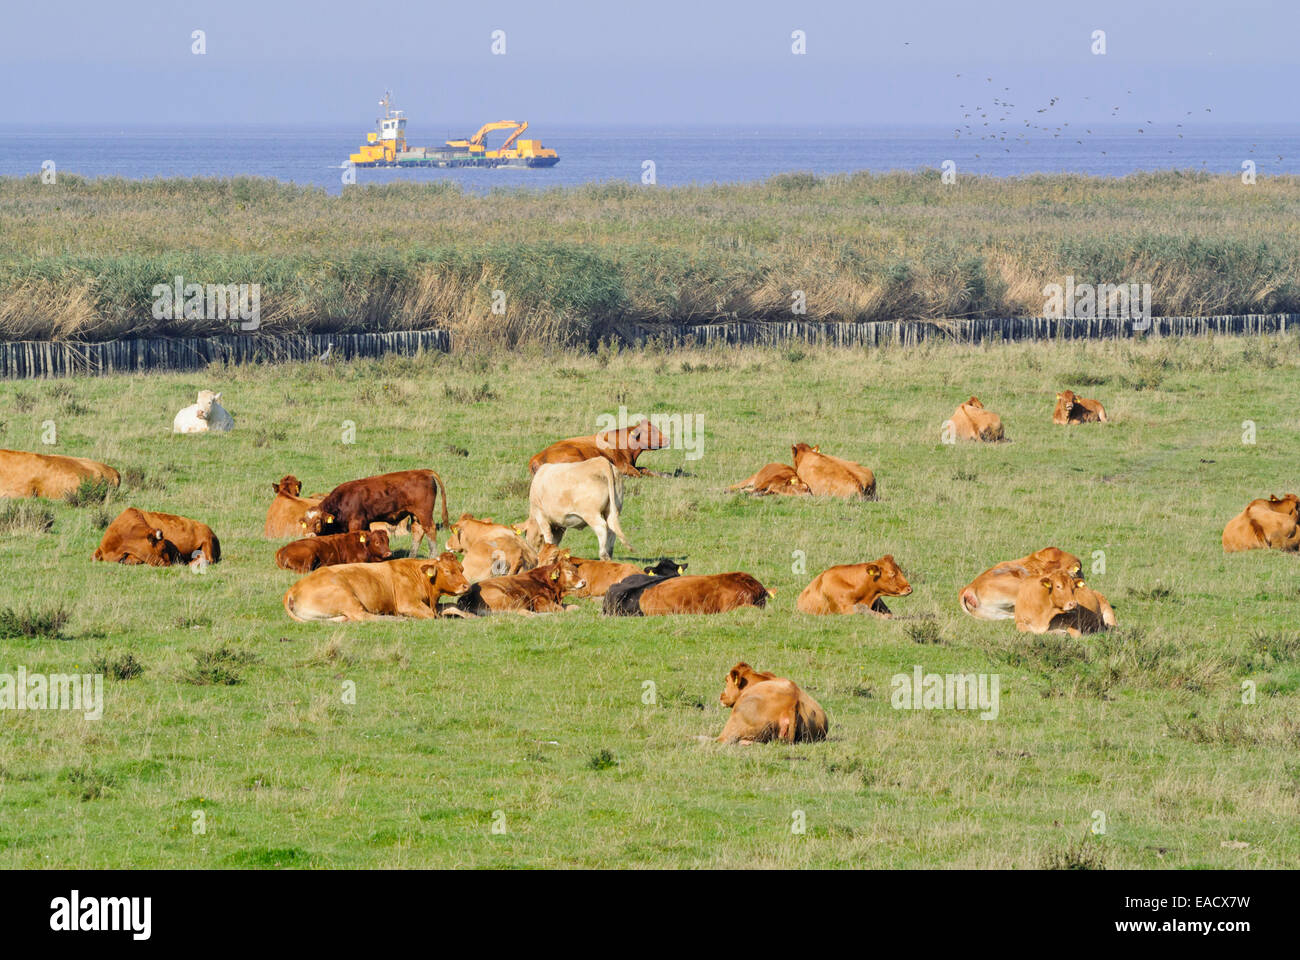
303, 556
490, 549
600, 575
992, 595
774, 478
1272, 524
387, 498
971, 421
540, 590
287, 514
48, 475
372, 591
1071, 409
855, 588
829, 476
125, 540
586, 494
716, 593
766, 707
1061, 603
619, 447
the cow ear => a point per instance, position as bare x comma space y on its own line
680, 571
1078, 583
555, 574
1046, 582
873, 571
363, 538
330, 518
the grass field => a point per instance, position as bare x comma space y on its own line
240, 713
79, 258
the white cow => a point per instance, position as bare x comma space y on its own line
586, 494
203, 416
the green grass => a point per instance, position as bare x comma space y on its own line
79, 258
216, 702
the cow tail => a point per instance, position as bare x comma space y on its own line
216, 548
446, 521
615, 481
289, 604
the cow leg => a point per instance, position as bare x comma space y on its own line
604, 538
417, 535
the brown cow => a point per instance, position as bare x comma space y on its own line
387, 498
132, 537
48, 475
540, 590
774, 478
855, 588
287, 514
600, 575
766, 707
1061, 603
1071, 409
619, 447
491, 549
971, 421
828, 476
304, 556
715, 593
374, 591
1272, 524
992, 595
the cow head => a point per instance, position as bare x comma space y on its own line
1053, 558
973, 402
376, 543
1060, 585
740, 677
289, 485
796, 484
646, 436
159, 551
445, 576
887, 578
667, 568
315, 521
206, 399
1288, 505
563, 573
800, 450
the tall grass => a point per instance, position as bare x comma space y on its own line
79, 258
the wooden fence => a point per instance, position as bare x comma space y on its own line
41, 358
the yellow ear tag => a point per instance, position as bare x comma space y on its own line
555, 574
1078, 583
330, 518
433, 574
680, 571
817, 449
363, 538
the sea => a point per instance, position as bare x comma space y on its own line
314, 155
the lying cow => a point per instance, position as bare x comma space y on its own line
658, 596
1061, 603
540, 590
134, 537
202, 417
371, 591
766, 707
855, 588
1071, 409
304, 556
828, 476
490, 549
387, 498
600, 575
971, 421
1272, 524
48, 475
586, 494
992, 595
619, 447
287, 514
775, 478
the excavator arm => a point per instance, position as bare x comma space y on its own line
512, 138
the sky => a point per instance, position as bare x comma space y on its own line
707, 62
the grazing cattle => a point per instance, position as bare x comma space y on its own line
48, 475
600, 575
1071, 408
1272, 524
539, 590
202, 417
855, 588
766, 707
490, 549
774, 478
370, 591
828, 476
992, 595
133, 537
387, 498
619, 447
586, 494
303, 556
1061, 603
971, 421
287, 514
715, 593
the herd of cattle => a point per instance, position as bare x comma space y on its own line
340, 541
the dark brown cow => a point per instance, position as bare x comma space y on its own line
539, 590
619, 447
715, 593
387, 498
303, 556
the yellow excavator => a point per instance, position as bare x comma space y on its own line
477, 144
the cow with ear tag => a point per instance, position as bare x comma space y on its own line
828, 476
855, 588
303, 556
539, 590
408, 587
1060, 602
766, 707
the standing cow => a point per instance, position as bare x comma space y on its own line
387, 498
586, 494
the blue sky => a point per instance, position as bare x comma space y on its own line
679, 63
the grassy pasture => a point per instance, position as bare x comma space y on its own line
217, 702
